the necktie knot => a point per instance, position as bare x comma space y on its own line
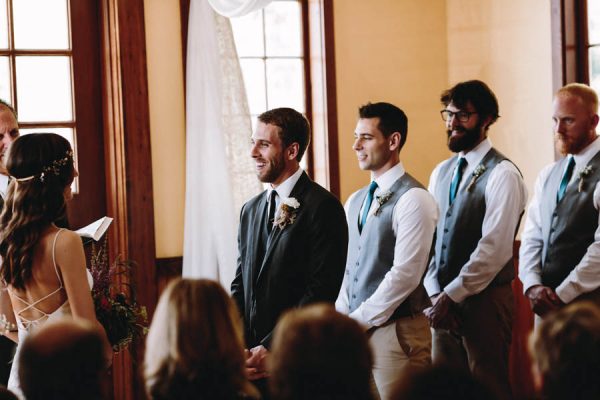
363, 219
460, 169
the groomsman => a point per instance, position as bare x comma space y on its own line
292, 237
560, 247
391, 224
481, 196
9, 131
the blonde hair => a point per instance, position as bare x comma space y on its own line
587, 95
194, 348
319, 353
566, 350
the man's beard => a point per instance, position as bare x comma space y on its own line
467, 141
275, 168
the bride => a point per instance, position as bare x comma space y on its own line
42, 267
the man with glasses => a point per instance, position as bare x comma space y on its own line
481, 196
560, 251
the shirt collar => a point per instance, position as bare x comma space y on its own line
584, 156
475, 156
387, 179
285, 188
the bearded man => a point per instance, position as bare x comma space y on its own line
560, 250
481, 196
292, 238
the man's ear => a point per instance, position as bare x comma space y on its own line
595, 120
292, 151
394, 141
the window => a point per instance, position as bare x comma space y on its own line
36, 65
271, 52
593, 23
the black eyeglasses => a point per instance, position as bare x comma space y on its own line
463, 116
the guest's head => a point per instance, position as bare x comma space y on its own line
575, 115
319, 353
194, 348
470, 108
441, 383
41, 165
565, 349
62, 360
278, 144
9, 129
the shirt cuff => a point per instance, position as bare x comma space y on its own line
456, 291
357, 316
567, 292
530, 280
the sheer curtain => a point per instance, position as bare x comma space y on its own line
219, 171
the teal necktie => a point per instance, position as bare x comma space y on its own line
367, 207
565, 179
460, 169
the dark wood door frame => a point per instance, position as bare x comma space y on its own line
128, 161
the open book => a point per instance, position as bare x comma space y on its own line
96, 229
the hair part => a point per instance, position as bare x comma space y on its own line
31, 206
195, 343
478, 94
293, 127
391, 119
588, 96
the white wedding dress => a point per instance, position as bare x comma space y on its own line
26, 326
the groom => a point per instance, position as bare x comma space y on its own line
292, 237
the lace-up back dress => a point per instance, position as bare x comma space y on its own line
33, 314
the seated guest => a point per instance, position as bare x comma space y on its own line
441, 383
62, 360
319, 353
566, 353
195, 346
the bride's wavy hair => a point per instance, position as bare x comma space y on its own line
41, 168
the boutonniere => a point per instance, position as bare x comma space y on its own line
476, 174
287, 212
584, 173
381, 200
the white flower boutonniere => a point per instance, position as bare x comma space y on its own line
584, 173
381, 200
476, 174
287, 212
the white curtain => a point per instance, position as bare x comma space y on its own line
219, 171
237, 8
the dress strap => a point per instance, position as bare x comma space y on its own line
54, 256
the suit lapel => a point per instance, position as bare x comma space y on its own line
298, 193
259, 222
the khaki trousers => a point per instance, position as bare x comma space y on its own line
483, 344
403, 343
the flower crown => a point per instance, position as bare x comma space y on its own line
53, 168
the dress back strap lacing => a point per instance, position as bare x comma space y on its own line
33, 306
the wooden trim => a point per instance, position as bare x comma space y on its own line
581, 27
167, 269
184, 11
323, 93
558, 52
128, 161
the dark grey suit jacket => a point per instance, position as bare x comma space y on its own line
303, 263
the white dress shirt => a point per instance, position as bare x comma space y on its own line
505, 199
413, 220
283, 190
3, 185
585, 277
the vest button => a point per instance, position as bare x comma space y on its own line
445, 230
442, 262
353, 296
448, 214
443, 246
357, 263
355, 279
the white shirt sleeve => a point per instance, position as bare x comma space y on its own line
585, 277
505, 198
532, 242
342, 302
430, 282
414, 219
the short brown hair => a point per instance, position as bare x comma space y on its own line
319, 353
293, 127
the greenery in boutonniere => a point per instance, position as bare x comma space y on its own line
381, 200
584, 173
476, 174
287, 212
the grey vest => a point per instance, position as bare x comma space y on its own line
371, 254
459, 233
567, 227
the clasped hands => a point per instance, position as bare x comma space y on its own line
257, 360
543, 299
441, 314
